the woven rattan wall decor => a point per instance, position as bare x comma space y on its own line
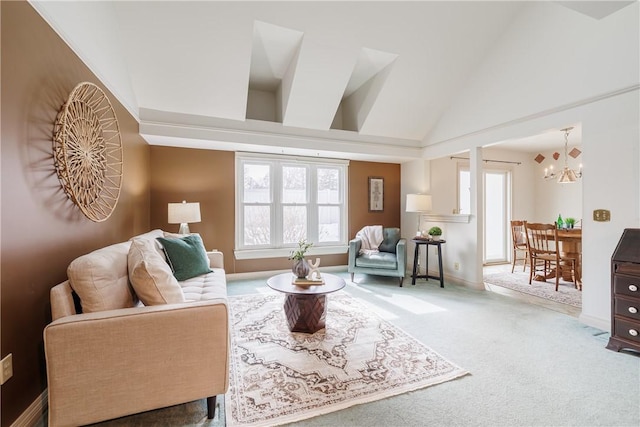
87, 151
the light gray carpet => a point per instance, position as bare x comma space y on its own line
530, 366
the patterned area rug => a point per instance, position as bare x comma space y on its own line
278, 376
519, 281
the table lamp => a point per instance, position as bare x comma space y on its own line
183, 213
418, 203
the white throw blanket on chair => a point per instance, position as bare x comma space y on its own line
371, 237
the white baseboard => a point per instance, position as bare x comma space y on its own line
595, 322
460, 281
35, 413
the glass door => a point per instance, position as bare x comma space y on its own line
496, 201
496, 210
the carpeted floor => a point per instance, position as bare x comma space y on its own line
531, 366
519, 281
278, 376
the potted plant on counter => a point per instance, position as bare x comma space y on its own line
569, 222
435, 233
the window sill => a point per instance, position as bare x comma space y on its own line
284, 253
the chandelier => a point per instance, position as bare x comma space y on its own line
567, 175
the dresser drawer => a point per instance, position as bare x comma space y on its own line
626, 285
627, 307
627, 330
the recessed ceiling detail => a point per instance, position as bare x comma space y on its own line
274, 53
369, 75
281, 90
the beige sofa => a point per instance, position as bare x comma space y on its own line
116, 356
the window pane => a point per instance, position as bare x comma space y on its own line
257, 225
328, 186
294, 185
329, 224
294, 219
256, 183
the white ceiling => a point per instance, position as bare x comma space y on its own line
189, 66
552, 139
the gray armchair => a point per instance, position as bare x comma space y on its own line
391, 260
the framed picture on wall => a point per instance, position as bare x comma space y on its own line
376, 194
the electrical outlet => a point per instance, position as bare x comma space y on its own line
456, 266
7, 369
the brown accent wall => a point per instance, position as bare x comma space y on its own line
41, 230
203, 176
359, 215
208, 177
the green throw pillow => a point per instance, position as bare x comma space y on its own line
186, 256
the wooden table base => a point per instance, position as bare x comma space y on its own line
305, 313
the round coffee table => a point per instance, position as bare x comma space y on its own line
305, 307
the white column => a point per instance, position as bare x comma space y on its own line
477, 213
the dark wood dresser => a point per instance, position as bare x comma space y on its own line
625, 292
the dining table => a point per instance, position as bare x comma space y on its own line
570, 241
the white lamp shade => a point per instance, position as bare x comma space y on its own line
184, 213
568, 176
418, 203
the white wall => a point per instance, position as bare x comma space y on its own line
555, 68
553, 198
610, 141
462, 246
611, 136
103, 53
414, 179
551, 57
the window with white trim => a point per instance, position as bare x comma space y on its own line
283, 199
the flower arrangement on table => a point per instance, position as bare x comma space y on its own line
303, 247
300, 266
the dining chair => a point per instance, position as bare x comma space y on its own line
544, 253
519, 238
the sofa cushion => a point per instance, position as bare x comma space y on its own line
101, 280
384, 260
186, 256
150, 274
390, 241
205, 287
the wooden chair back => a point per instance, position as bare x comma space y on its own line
541, 239
519, 239
518, 235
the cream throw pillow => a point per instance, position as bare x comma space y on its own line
100, 279
150, 275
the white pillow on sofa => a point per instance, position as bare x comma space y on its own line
150, 275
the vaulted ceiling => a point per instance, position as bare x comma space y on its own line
342, 79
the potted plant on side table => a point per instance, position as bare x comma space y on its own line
435, 233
